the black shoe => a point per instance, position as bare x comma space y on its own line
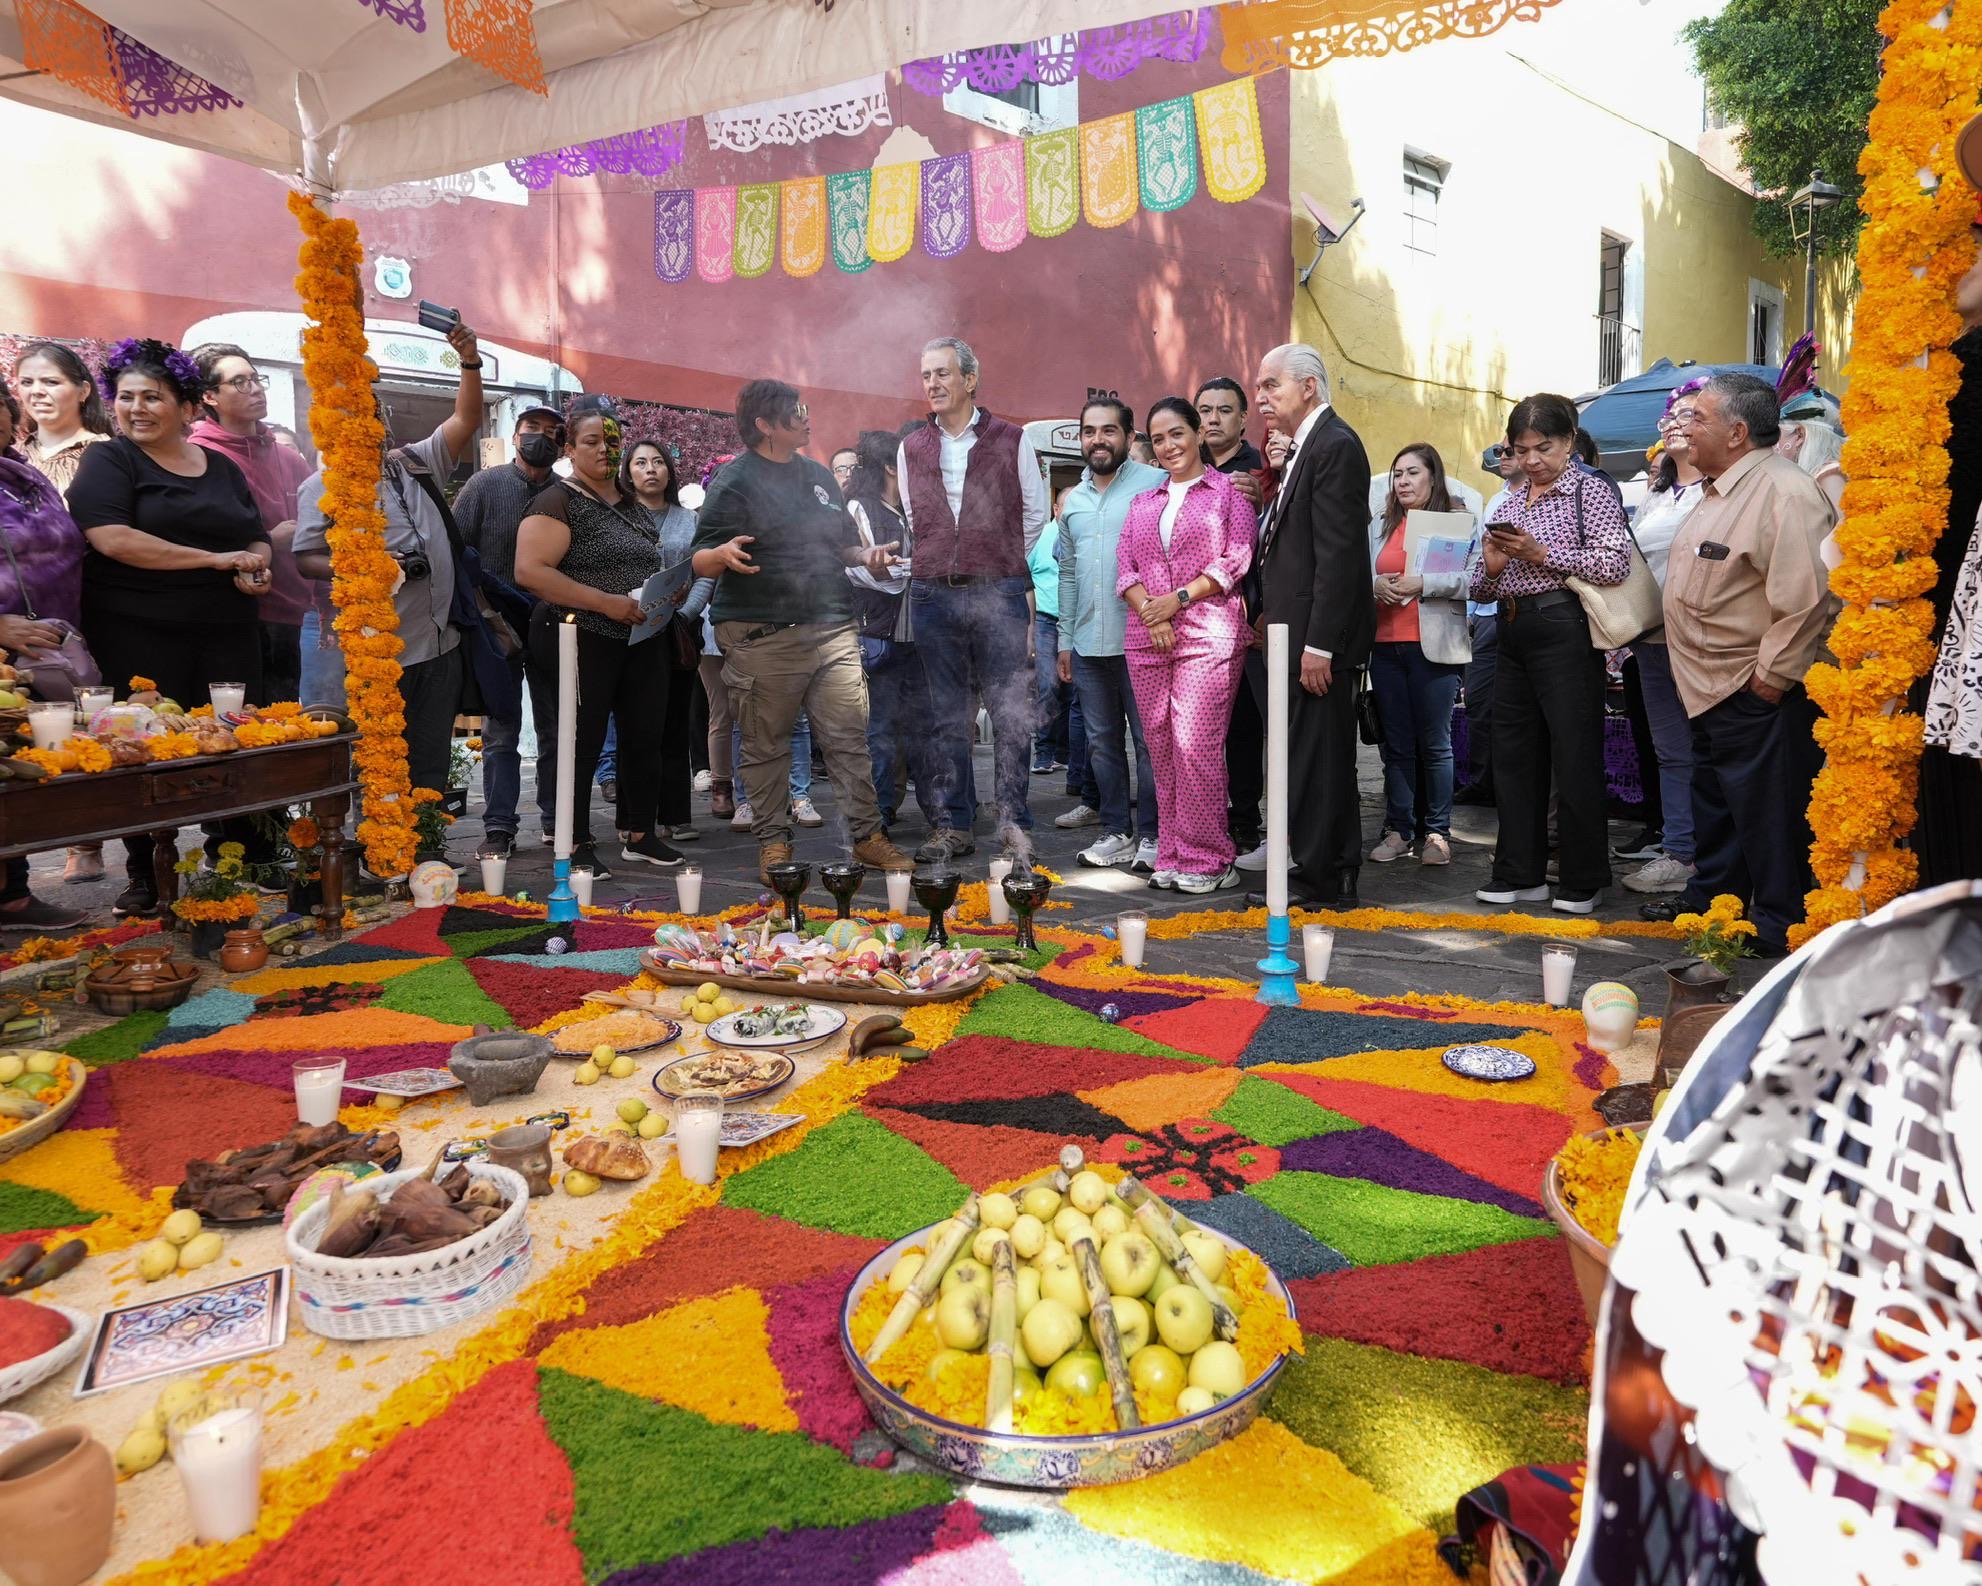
1300, 894
31, 914
650, 850
497, 845
1666, 908
1647, 844
139, 898
584, 856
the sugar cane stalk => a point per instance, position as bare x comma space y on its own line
1004, 1327
922, 1288
1101, 1320
1154, 1216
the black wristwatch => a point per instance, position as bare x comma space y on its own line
1184, 596
475, 365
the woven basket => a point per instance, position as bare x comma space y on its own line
404, 1296
35, 1130
24, 1374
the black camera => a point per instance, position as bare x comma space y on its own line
415, 566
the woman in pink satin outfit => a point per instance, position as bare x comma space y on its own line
1190, 541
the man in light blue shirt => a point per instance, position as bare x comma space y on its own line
1092, 623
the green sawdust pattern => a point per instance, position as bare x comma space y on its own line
654, 1482
1373, 1224
22, 1207
854, 1177
468, 943
1425, 1432
1021, 1014
116, 1042
445, 991
1269, 1112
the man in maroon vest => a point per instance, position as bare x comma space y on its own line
976, 502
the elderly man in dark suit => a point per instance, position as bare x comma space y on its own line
1313, 574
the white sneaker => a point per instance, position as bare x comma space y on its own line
1105, 852
803, 812
1164, 880
1215, 882
1663, 874
1256, 860
1079, 815
1145, 859
743, 819
704, 781
1512, 895
1392, 845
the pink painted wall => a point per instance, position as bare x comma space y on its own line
109, 235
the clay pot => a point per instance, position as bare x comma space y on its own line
1696, 1000
525, 1148
58, 1498
244, 950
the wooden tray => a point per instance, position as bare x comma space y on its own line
812, 991
15, 1141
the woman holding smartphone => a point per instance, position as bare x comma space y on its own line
1553, 523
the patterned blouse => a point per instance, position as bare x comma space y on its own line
1598, 551
59, 467
615, 548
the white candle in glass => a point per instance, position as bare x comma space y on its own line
1001, 908
1276, 768
227, 698
219, 1460
1558, 974
1132, 932
494, 872
52, 725
319, 1088
698, 1133
581, 886
1318, 947
688, 889
898, 891
567, 732
92, 700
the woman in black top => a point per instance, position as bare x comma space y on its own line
585, 549
177, 559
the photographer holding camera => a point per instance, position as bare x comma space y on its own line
433, 675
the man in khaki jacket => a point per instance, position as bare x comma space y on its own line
1747, 607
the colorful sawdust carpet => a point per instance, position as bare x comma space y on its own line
670, 1405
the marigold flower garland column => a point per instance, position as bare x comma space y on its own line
1914, 248
345, 425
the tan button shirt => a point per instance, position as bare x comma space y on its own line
1746, 593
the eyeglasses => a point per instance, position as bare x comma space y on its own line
245, 383
799, 414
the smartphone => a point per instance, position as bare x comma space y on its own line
434, 317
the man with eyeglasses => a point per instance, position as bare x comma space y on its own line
776, 536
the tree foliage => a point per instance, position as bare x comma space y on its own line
1798, 77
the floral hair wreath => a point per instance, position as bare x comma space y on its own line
181, 373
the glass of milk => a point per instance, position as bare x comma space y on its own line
1318, 947
227, 698
217, 1448
1132, 932
698, 1132
319, 1088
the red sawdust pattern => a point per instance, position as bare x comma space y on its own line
428, 1502
417, 932
530, 995
805, 1347
166, 1116
1505, 1307
1219, 1028
979, 1154
714, 1249
997, 1068
1508, 1144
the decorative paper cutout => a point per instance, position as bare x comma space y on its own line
1271, 34
715, 232
74, 47
1228, 131
651, 152
756, 229
155, 86
499, 35
407, 13
946, 205
891, 211
803, 248
846, 219
1166, 154
1107, 53
674, 234
845, 111
1052, 182
998, 178
1108, 170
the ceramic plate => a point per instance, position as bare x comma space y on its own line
700, 1074
1490, 1063
822, 1022
673, 1032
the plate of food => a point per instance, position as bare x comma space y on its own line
626, 1032
777, 1026
734, 1076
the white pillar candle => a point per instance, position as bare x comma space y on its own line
581, 886
1318, 947
698, 1133
227, 698
1132, 932
494, 872
1001, 908
898, 891
688, 889
52, 725
1276, 768
220, 1466
567, 731
319, 1088
1558, 974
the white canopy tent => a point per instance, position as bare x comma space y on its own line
355, 100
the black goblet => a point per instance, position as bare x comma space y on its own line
936, 893
1025, 890
842, 879
788, 881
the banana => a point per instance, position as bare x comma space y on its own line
868, 1031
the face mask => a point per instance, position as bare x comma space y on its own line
538, 450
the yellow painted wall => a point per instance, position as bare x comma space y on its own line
1437, 348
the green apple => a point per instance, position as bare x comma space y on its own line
963, 1317
997, 1210
1218, 1369
1088, 1192
1077, 1374
1062, 1281
1028, 1236
1040, 1202
1025, 1383
975, 1274
942, 1359
1049, 1331
1158, 1371
1027, 1279
1183, 1319
987, 1241
1162, 1283
1134, 1324
1050, 1250
1208, 1253
633, 1109
1193, 1400
1110, 1221
1129, 1262
1070, 1221
903, 1272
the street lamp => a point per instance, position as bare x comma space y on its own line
1812, 196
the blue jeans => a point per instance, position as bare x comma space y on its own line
323, 665
801, 754
1414, 700
608, 754
1080, 764
977, 631
897, 715
1110, 710
1672, 738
